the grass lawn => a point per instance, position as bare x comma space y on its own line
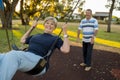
113, 36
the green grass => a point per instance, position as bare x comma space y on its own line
113, 36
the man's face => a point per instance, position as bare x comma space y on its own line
88, 14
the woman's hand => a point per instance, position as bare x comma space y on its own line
34, 24
26, 35
64, 28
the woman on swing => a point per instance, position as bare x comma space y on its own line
39, 45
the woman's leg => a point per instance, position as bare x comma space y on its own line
28, 61
8, 66
17, 60
1, 57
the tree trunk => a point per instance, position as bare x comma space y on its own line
23, 16
4, 24
109, 22
6, 16
8, 13
110, 16
3, 18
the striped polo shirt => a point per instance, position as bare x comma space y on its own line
88, 28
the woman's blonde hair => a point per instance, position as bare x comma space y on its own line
51, 18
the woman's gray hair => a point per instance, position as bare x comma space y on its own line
51, 18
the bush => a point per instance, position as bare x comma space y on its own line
102, 22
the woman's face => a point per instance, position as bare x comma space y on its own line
49, 26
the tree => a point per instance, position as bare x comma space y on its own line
80, 9
69, 7
7, 13
36, 8
112, 4
43, 8
27, 8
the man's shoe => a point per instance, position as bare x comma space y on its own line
87, 68
82, 64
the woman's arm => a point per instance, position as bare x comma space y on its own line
66, 45
27, 34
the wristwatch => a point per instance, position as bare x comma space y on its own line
65, 36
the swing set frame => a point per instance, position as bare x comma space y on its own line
14, 47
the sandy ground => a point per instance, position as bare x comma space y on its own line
105, 66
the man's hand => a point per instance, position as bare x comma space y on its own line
64, 28
92, 40
78, 40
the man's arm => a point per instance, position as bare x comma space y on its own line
78, 35
95, 32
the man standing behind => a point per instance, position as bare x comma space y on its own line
89, 27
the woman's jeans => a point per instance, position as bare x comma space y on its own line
12, 61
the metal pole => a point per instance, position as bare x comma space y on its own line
8, 40
2, 13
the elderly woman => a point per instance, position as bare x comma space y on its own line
39, 45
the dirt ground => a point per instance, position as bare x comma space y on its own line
105, 66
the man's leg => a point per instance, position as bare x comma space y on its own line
89, 57
84, 51
89, 54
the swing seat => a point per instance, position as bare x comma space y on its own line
38, 68
14, 47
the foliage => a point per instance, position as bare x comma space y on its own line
115, 20
116, 6
42, 8
118, 21
35, 8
